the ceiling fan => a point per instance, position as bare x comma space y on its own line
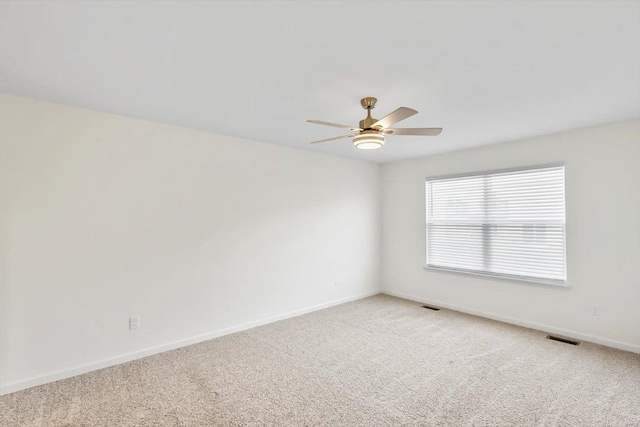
371, 133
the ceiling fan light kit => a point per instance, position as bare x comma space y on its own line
371, 133
368, 140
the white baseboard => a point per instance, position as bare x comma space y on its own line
105, 363
531, 325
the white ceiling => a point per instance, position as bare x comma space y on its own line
487, 72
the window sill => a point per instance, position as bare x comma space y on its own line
504, 278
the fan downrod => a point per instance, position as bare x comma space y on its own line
368, 103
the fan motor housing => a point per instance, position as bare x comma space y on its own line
366, 123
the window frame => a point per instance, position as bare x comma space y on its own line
498, 276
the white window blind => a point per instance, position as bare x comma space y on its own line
509, 224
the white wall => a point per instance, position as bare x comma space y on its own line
603, 236
103, 217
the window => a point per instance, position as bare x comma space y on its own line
505, 224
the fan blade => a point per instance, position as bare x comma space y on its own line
331, 139
414, 131
398, 115
335, 125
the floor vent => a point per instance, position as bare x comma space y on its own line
430, 307
564, 340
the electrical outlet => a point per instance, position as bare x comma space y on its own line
594, 310
134, 322
337, 282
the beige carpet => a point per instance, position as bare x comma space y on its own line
380, 361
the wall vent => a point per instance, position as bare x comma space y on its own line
431, 307
564, 340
